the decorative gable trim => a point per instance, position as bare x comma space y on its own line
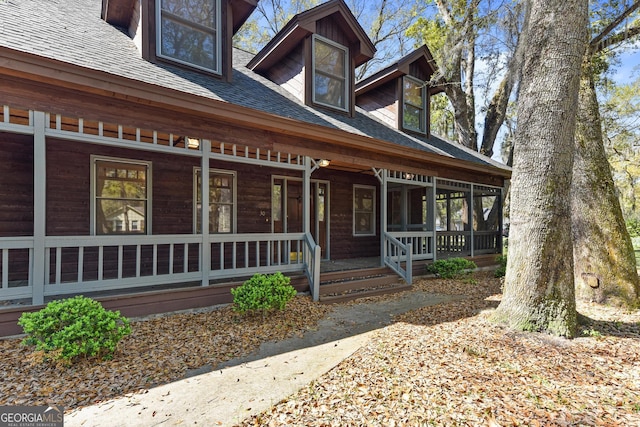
420, 58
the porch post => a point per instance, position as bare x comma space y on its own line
501, 221
306, 196
39, 206
383, 215
434, 204
205, 264
471, 212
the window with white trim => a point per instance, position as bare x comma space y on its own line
121, 191
413, 104
330, 73
364, 210
222, 201
188, 32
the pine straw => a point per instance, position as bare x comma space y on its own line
440, 365
449, 365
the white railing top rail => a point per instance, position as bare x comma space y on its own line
253, 237
16, 242
120, 240
403, 234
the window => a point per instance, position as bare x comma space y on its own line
121, 196
364, 210
222, 201
413, 109
188, 32
330, 71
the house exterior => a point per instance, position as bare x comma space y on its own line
113, 111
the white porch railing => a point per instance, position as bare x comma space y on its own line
78, 264
16, 265
312, 256
235, 255
458, 243
421, 242
398, 254
486, 242
95, 263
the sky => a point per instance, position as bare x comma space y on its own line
629, 68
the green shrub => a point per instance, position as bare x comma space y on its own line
633, 226
263, 293
502, 268
78, 326
451, 268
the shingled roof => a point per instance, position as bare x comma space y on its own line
72, 31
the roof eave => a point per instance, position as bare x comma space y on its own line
36, 68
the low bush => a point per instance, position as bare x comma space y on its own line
633, 226
451, 268
73, 327
263, 293
502, 268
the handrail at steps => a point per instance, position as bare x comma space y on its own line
312, 265
395, 254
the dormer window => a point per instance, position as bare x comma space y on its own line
330, 74
414, 115
188, 33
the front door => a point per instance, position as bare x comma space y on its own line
320, 215
288, 210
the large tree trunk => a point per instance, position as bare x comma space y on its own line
539, 289
604, 261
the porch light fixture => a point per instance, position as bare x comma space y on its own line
408, 176
193, 143
323, 163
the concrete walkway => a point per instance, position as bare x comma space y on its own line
248, 386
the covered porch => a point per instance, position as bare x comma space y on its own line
397, 212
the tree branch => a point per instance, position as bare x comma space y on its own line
604, 33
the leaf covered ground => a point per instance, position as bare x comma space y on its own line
441, 365
448, 365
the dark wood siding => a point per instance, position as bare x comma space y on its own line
69, 192
382, 103
330, 29
16, 185
289, 73
418, 72
343, 243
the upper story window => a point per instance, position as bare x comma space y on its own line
188, 32
414, 115
330, 74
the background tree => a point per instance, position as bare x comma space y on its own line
604, 260
539, 289
460, 33
621, 127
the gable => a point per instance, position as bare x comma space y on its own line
330, 19
419, 64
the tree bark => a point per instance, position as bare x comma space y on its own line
604, 261
539, 290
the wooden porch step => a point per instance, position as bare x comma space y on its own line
346, 275
350, 288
